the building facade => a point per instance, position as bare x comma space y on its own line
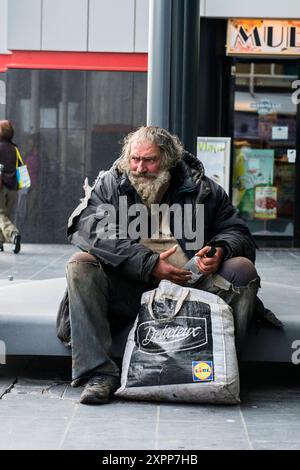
73, 79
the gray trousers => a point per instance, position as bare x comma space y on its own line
101, 302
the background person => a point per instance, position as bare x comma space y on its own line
9, 186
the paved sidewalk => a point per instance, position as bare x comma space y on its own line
39, 409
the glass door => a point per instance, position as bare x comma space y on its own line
264, 146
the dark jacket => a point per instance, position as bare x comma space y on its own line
8, 158
223, 225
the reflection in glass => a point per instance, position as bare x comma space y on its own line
69, 125
265, 146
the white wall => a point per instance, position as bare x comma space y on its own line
24, 24
111, 25
250, 8
3, 26
64, 25
75, 25
141, 26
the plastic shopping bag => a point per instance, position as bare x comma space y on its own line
22, 173
181, 348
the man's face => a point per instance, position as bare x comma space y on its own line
145, 159
145, 173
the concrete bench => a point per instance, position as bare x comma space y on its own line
28, 314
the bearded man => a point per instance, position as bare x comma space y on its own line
108, 277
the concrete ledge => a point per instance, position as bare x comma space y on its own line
270, 344
28, 313
27, 318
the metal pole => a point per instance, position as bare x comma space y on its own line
159, 63
173, 67
190, 72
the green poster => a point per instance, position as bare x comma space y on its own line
252, 167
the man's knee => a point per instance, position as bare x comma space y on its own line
238, 271
83, 257
82, 264
85, 269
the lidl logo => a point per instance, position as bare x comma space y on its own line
203, 371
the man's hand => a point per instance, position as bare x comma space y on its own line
165, 270
209, 265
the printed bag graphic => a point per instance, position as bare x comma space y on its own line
181, 348
22, 172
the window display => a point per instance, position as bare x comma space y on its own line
264, 143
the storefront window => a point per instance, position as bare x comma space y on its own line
69, 125
264, 142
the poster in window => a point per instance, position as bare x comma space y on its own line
252, 167
265, 202
214, 153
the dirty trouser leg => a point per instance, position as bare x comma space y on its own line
88, 305
92, 292
237, 283
7, 202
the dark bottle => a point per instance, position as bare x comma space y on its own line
192, 266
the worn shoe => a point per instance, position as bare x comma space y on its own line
16, 242
99, 389
1, 246
79, 382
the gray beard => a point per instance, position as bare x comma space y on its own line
152, 189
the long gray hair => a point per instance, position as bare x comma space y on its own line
169, 145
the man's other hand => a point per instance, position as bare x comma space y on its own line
165, 270
209, 265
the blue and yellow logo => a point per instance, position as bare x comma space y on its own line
202, 371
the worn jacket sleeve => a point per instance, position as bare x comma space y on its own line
94, 229
228, 228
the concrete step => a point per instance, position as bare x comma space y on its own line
28, 314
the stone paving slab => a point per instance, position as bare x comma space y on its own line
32, 433
43, 414
35, 262
5, 385
195, 435
137, 411
110, 433
38, 388
274, 437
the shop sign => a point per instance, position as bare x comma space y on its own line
263, 37
265, 106
291, 155
280, 132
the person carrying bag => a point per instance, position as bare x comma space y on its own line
9, 187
